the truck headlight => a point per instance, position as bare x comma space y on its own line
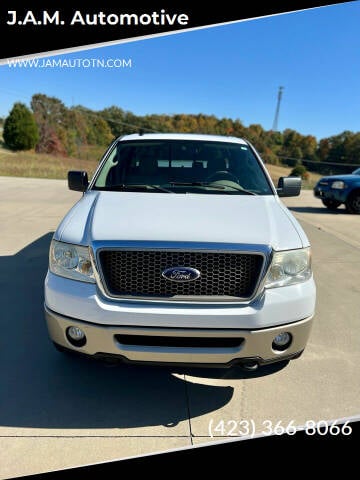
289, 267
71, 261
338, 185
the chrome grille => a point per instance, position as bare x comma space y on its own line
139, 273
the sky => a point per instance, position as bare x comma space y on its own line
233, 71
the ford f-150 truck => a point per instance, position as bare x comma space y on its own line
180, 251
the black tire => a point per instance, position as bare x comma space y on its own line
331, 204
353, 203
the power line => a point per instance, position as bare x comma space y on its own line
84, 110
99, 115
136, 127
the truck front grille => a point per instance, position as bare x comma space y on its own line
138, 273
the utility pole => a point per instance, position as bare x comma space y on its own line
276, 118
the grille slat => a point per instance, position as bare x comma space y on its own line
139, 273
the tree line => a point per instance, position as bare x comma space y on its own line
50, 127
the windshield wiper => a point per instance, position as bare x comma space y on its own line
129, 186
212, 185
196, 184
240, 189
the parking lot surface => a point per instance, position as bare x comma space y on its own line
58, 412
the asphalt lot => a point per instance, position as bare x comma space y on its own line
58, 412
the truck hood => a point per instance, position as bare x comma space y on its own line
181, 217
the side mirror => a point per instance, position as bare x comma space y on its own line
78, 181
289, 186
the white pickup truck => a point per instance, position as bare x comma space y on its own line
181, 252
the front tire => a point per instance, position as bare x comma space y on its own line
353, 203
331, 204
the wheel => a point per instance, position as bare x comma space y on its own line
353, 203
331, 204
221, 173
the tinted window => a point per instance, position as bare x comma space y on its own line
173, 163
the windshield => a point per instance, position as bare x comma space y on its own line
356, 172
183, 166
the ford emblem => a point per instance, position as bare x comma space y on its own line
181, 274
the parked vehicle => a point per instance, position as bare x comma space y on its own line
335, 190
180, 251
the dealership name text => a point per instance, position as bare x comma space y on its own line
45, 17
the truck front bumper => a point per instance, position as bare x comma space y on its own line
193, 346
327, 193
180, 333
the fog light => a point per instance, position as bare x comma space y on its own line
282, 341
76, 336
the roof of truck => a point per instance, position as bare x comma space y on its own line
182, 136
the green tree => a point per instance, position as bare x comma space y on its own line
99, 132
323, 149
341, 148
50, 115
116, 118
300, 171
308, 147
20, 129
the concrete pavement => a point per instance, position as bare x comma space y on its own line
339, 223
58, 412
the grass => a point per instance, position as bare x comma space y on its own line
31, 164
277, 171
